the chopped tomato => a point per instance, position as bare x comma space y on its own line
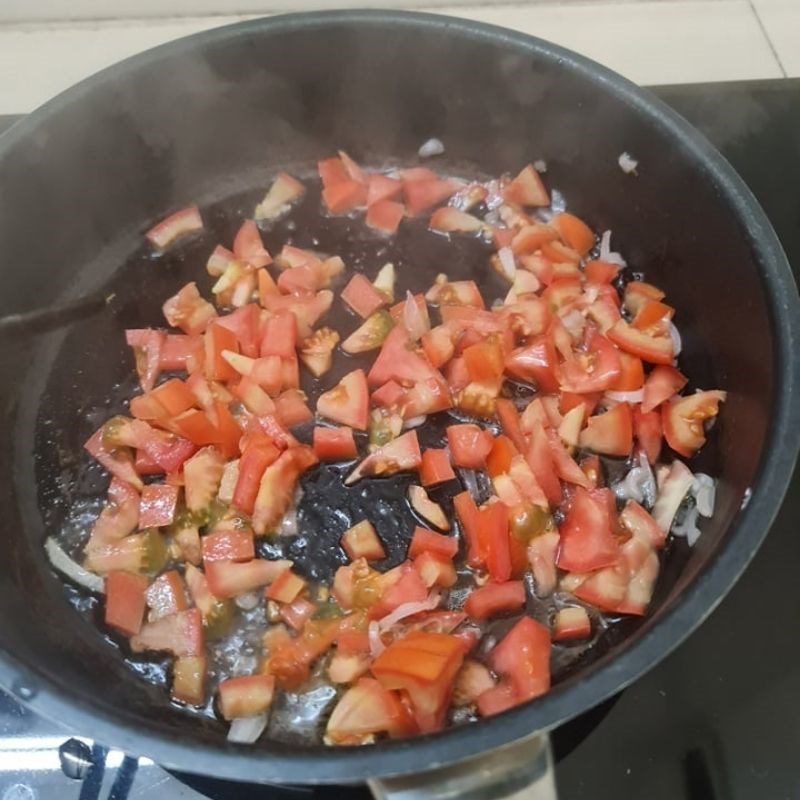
523, 656
382, 187
641, 524
527, 189
247, 245
596, 369
600, 271
571, 623
147, 345
232, 578
385, 216
334, 444
401, 454
424, 665
362, 541
125, 601
345, 196
493, 540
587, 542
291, 408
661, 384
454, 293
637, 293
409, 588
188, 680
535, 362
176, 225
229, 545
157, 505
286, 588
653, 349
425, 541
631, 376
424, 192
436, 570
435, 467
362, 296
450, 220
219, 339
495, 598
245, 696
484, 361
188, 311
500, 456
683, 420
307, 309
180, 634
497, 699
469, 445
277, 487
279, 337
244, 323
650, 314
574, 232
610, 433
166, 595
348, 402
647, 430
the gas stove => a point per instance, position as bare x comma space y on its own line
719, 719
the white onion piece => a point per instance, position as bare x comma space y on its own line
557, 201
71, 569
506, 257
687, 527
470, 479
289, 526
704, 489
244, 664
677, 344
627, 163
246, 730
626, 397
248, 601
408, 610
433, 147
376, 645
630, 487
540, 165
574, 322
607, 254
675, 487
648, 483
413, 319
414, 422
591, 293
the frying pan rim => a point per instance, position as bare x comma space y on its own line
283, 763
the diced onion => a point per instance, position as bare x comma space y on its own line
574, 322
248, 601
413, 319
506, 258
289, 526
246, 730
433, 147
704, 489
677, 344
540, 165
687, 527
408, 610
639, 484
376, 646
626, 397
627, 163
607, 254
414, 422
71, 569
648, 484
557, 201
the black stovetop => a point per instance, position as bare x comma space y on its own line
717, 720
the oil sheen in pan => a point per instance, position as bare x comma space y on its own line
71, 487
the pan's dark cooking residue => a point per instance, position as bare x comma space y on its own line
404, 451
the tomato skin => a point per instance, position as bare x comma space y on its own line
661, 384
610, 433
493, 538
653, 349
334, 444
435, 467
523, 656
683, 419
426, 541
125, 602
179, 223
469, 445
495, 598
157, 505
586, 540
348, 402
229, 545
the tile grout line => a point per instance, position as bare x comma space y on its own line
767, 37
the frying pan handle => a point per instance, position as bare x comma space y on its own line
520, 771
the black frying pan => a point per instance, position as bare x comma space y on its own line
209, 119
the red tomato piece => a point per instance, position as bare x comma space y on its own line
600, 271
194, 426
527, 189
469, 445
587, 542
176, 225
180, 352
174, 396
147, 345
653, 349
484, 361
398, 361
362, 296
125, 602
188, 311
334, 444
435, 570
495, 598
425, 541
651, 314
297, 613
382, 187
420, 195
333, 171
523, 656
661, 384
157, 505
435, 467
535, 362
571, 623
180, 634
345, 196
291, 408
509, 419
610, 433
640, 523
494, 542
399, 455
362, 541
244, 323
647, 430
348, 402
245, 696
188, 680
409, 588
574, 232
229, 545
118, 461
469, 517
232, 578
218, 339
202, 474
499, 459
637, 293
497, 699
595, 370
247, 245
631, 375
286, 587
166, 595
385, 216
683, 420
279, 337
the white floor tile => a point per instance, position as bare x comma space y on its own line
781, 21
651, 42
